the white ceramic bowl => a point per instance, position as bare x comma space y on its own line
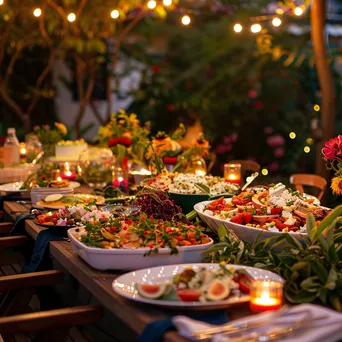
134, 259
244, 233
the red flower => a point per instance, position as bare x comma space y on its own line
333, 148
155, 68
125, 141
113, 142
170, 160
257, 104
170, 107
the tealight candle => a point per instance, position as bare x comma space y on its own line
266, 295
71, 176
232, 173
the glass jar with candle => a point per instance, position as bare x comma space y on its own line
266, 295
120, 178
197, 166
232, 173
33, 147
95, 167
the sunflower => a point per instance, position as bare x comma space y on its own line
61, 127
336, 186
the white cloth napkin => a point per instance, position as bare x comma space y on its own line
327, 329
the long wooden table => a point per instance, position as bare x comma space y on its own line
99, 283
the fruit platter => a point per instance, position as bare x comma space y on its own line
117, 242
264, 211
189, 189
202, 286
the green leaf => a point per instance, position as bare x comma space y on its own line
222, 232
303, 297
121, 150
319, 269
331, 281
332, 255
335, 302
203, 187
311, 227
323, 294
310, 283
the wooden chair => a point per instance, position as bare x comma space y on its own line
301, 179
247, 165
51, 325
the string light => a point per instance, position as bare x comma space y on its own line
316, 108
186, 20
264, 172
309, 141
1, 2
37, 12
298, 11
115, 14
255, 28
292, 135
167, 2
71, 17
151, 4
276, 22
306, 149
237, 28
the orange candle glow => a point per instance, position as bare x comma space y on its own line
266, 295
232, 173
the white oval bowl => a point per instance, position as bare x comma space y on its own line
244, 233
134, 259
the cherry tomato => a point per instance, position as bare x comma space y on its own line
112, 229
236, 219
245, 283
186, 243
189, 295
276, 211
246, 217
242, 199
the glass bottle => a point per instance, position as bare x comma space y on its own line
11, 149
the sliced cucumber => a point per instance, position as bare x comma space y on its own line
53, 198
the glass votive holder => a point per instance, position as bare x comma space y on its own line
266, 295
232, 173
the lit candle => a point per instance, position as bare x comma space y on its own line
232, 173
121, 183
23, 151
71, 176
266, 295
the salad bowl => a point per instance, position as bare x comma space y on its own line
133, 259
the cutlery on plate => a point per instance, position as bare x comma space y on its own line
250, 180
35, 160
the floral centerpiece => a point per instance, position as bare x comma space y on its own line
332, 153
125, 136
49, 136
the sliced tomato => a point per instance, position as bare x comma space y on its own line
245, 283
242, 199
217, 204
189, 295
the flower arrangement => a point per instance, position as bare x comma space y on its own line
332, 153
125, 136
48, 135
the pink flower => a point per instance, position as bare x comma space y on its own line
220, 149
278, 152
275, 140
35, 128
46, 127
227, 140
234, 136
268, 130
257, 104
333, 148
274, 166
251, 158
252, 94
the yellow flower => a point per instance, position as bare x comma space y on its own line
61, 127
336, 186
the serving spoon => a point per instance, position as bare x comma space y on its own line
250, 180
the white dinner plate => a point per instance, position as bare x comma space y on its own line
125, 285
99, 201
16, 187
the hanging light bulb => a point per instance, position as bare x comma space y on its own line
186, 20
1, 2
306, 149
238, 28
264, 172
292, 135
71, 17
167, 2
115, 14
255, 28
276, 22
151, 4
298, 11
37, 12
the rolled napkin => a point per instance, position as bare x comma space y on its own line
317, 324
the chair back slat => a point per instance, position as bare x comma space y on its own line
247, 165
300, 179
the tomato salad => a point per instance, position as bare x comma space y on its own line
285, 211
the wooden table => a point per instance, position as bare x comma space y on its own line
99, 283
